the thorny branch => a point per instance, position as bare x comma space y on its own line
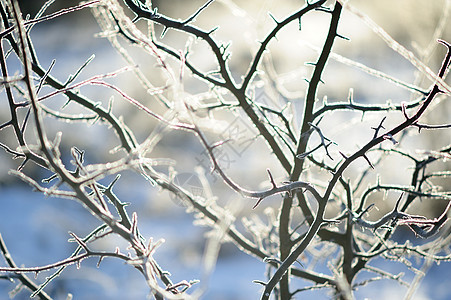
287, 238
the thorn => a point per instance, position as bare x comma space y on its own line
110, 104
404, 110
213, 169
440, 91
302, 266
351, 96
273, 18
258, 202
302, 155
368, 161
213, 30
224, 48
259, 282
365, 210
342, 37
342, 154
379, 127
165, 29
272, 260
323, 9
100, 260
47, 180
274, 186
327, 151
110, 186
66, 104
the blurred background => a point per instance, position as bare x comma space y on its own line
35, 228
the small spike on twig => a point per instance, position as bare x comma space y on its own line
213, 30
368, 161
342, 154
378, 128
274, 186
163, 33
274, 18
343, 37
258, 202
